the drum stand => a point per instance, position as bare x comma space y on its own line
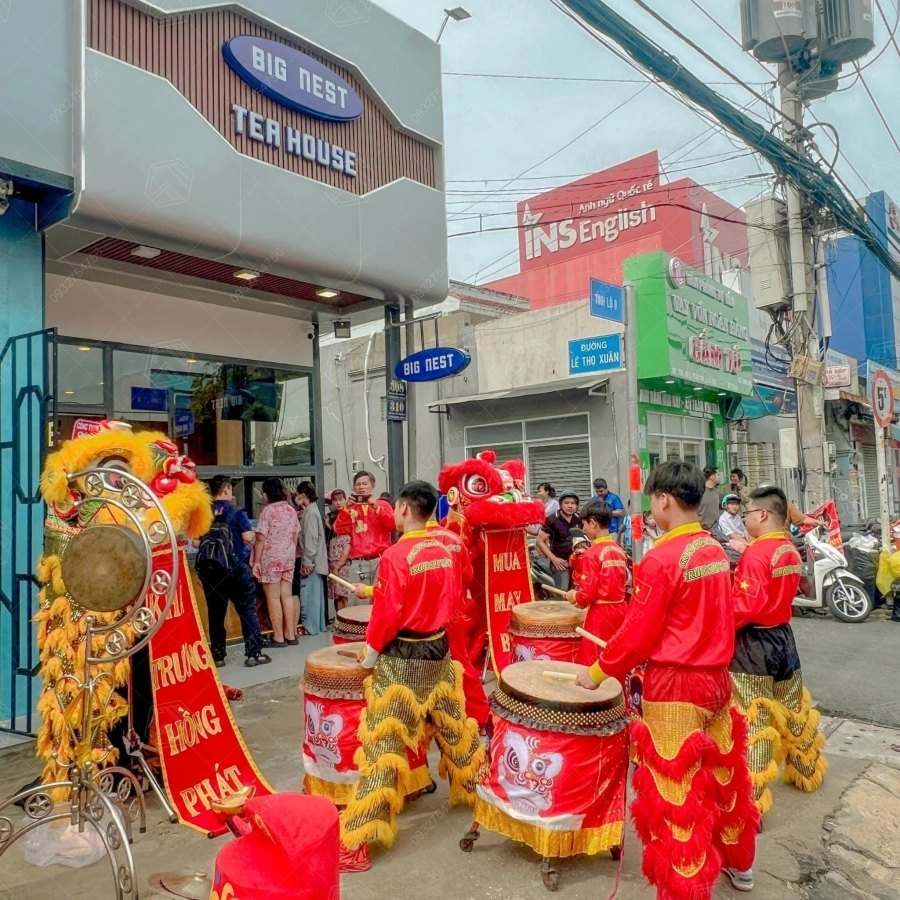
94, 798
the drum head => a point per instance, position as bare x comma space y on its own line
546, 618
104, 567
525, 681
342, 658
359, 615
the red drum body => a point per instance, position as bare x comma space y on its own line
333, 701
350, 624
558, 761
545, 630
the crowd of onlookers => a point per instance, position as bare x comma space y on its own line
289, 554
721, 513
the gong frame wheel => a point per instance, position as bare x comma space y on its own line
549, 875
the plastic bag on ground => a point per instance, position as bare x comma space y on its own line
59, 843
885, 577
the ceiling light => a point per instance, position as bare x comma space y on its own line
70, 393
342, 328
246, 275
670, 381
85, 349
327, 293
722, 394
190, 361
143, 252
698, 388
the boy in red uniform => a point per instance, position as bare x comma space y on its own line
457, 627
694, 809
765, 671
413, 681
602, 588
369, 523
580, 545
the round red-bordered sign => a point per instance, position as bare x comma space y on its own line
882, 398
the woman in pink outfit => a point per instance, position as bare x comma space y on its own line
273, 561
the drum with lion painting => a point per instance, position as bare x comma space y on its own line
333, 701
557, 760
545, 630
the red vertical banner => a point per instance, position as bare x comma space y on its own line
507, 584
828, 512
201, 749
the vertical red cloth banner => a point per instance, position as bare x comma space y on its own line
507, 581
828, 512
201, 749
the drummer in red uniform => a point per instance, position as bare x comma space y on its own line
369, 523
765, 671
694, 809
602, 589
413, 676
457, 627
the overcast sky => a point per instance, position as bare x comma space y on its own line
497, 128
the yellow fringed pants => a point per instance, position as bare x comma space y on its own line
782, 727
402, 696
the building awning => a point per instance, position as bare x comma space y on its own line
549, 387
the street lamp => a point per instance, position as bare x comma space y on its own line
458, 14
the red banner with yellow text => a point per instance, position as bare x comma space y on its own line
201, 750
507, 584
828, 513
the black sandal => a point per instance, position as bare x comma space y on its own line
259, 660
278, 645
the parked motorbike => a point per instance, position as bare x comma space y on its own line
829, 584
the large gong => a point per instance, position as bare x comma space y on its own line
104, 567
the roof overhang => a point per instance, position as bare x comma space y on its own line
550, 387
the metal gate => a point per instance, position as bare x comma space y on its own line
27, 411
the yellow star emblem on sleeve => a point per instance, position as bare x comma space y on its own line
744, 585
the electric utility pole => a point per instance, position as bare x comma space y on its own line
804, 328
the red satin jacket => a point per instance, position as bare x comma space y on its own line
765, 582
415, 590
680, 612
369, 526
462, 562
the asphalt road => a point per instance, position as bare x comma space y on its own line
852, 670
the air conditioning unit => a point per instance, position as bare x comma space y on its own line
768, 245
776, 30
848, 30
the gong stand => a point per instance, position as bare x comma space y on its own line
106, 569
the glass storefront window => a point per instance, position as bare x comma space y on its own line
80, 374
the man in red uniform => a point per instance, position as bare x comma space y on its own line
602, 590
765, 671
413, 681
694, 809
369, 522
458, 626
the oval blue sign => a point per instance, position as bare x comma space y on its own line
292, 78
433, 364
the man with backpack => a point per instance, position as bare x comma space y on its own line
224, 571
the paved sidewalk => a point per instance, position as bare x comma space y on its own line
857, 810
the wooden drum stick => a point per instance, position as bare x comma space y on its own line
553, 590
340, 581
591, 637
560, 676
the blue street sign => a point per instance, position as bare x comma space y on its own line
607, 301
183, 422
595, 354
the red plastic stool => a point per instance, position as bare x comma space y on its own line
289, 851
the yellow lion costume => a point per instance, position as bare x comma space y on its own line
155, 460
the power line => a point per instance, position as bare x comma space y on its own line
577, 137
568, 78
887, 127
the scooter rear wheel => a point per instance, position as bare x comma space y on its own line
848, 602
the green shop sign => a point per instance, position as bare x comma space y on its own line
690, 327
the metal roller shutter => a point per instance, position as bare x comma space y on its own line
870, 480
565, 466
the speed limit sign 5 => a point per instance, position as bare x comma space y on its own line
882, 398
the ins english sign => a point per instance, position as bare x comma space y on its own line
300, 83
